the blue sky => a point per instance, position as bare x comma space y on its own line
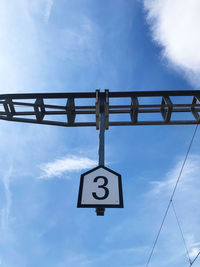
82, 45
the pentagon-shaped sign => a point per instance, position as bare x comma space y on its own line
100, 187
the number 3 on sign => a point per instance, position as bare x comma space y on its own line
100, 187
103, 186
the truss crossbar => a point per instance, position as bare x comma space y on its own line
120, 108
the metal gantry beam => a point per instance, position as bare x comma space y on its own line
71, 109
102, 110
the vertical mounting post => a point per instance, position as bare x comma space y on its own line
100, 210
102, 138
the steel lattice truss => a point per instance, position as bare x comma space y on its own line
133, 108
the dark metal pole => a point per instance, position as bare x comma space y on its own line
101, 138
100, 211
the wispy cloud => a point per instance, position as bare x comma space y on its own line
194, 247
194, 252
68, 164
6, 179
5, 212
49, 4
175, 27
80, 41
188, 177
20, 45
88, 260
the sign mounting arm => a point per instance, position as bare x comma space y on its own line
101, 104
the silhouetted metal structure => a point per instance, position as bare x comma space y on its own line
40, 108
103, 109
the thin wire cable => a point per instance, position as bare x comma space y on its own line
195, 259
179, 226
171, 198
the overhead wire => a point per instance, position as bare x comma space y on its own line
181, 231
172, 196
192, 262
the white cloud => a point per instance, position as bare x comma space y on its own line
193, 253
7, 170
79, 42
188, 177
175, 27
49, 5
5, 212
64, 165
19, 46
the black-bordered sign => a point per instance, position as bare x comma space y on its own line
100, 187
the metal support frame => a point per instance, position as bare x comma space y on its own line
49, 109
35, 108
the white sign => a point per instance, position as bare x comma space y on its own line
100, 187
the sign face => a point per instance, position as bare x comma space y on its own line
100, 187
